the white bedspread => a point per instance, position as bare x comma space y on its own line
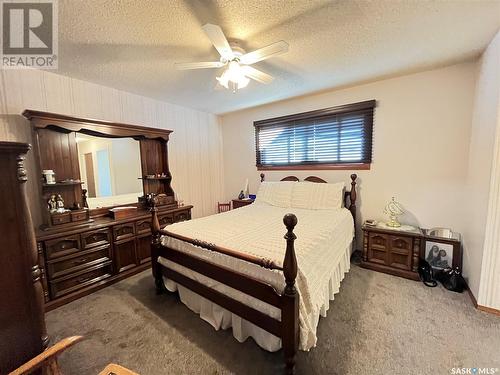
322, 250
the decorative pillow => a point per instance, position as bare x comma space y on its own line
317, 196
276, 193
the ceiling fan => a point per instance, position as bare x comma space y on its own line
238, 70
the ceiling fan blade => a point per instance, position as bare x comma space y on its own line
218, 39
198, 65
264, 53
257, 75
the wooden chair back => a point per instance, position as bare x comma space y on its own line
223, 207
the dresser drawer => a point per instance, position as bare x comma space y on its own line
123, 231
182, 216
166, 219
95, 238
62, 246
78, 215
73, 263
71, 283
143, 226
58, 219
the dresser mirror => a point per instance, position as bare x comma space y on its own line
110, 170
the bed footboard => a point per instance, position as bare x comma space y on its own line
288, 301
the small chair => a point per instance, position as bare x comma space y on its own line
47, 361
223, 207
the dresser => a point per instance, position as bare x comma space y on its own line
22, 324
395, 251
78, 261
96, 227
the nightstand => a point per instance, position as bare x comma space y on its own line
237, 203
392, 250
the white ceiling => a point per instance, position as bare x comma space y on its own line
133, 45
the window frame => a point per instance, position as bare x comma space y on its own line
316, 115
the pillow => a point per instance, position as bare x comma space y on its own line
317, 196
276, 193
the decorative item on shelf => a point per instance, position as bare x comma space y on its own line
371, 223
150, 176
60, 204
180, 201
241, 195
49, 176
393, 209
245, 190
252, 196
52, 204
84, 198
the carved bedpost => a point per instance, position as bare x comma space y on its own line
262, 175
28, 235
155, 246
290, 309
352, 197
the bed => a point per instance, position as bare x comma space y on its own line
243, 276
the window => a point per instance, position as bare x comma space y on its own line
332, 138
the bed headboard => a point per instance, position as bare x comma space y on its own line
349, 196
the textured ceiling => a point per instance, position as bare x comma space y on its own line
133, 45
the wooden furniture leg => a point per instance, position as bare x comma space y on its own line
155, 246
290, 309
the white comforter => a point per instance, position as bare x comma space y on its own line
258, 229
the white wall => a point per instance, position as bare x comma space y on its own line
482, 241
420, 148
194, 146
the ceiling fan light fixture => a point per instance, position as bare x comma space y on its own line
236, 76
233, 77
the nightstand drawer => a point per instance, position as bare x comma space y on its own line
401, 245
379, 241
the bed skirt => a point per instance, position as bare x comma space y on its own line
219, 317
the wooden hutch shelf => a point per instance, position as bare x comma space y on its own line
62, 184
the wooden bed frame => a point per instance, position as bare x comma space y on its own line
288, 302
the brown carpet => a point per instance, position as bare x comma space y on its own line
378, 324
